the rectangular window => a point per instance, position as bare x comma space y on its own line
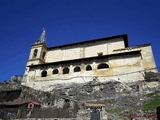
100, 53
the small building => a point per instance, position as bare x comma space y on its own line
97, 111
17, 108
107, 58
20, 104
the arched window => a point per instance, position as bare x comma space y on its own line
65, 70
55, 71
44, 73
43, 55
102, 66
88, 68
35, 53
77, 69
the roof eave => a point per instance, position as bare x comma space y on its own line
124, 36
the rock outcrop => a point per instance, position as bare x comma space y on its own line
121, 99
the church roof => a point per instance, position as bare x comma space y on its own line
124, 36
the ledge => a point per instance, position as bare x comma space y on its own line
89, 58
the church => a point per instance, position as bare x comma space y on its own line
108, 58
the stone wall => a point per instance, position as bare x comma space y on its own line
122, 68
84, 50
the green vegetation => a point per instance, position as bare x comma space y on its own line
153, 94
118, 110
151, 105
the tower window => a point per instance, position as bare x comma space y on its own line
35, 53
65, 70
77, 69
102, 66
88, 68
55, 71
44, 73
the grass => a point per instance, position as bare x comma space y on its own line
151, 105
114, 111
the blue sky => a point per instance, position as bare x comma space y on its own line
67, 21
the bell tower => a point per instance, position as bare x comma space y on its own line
38, 51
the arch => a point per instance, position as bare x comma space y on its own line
55, 71
35, 53
65, 70
44, 73
88, 68
102, 66
77, 69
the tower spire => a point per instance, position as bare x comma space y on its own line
42, 38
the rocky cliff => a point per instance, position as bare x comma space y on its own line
121, 99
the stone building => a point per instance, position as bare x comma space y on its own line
108, 58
